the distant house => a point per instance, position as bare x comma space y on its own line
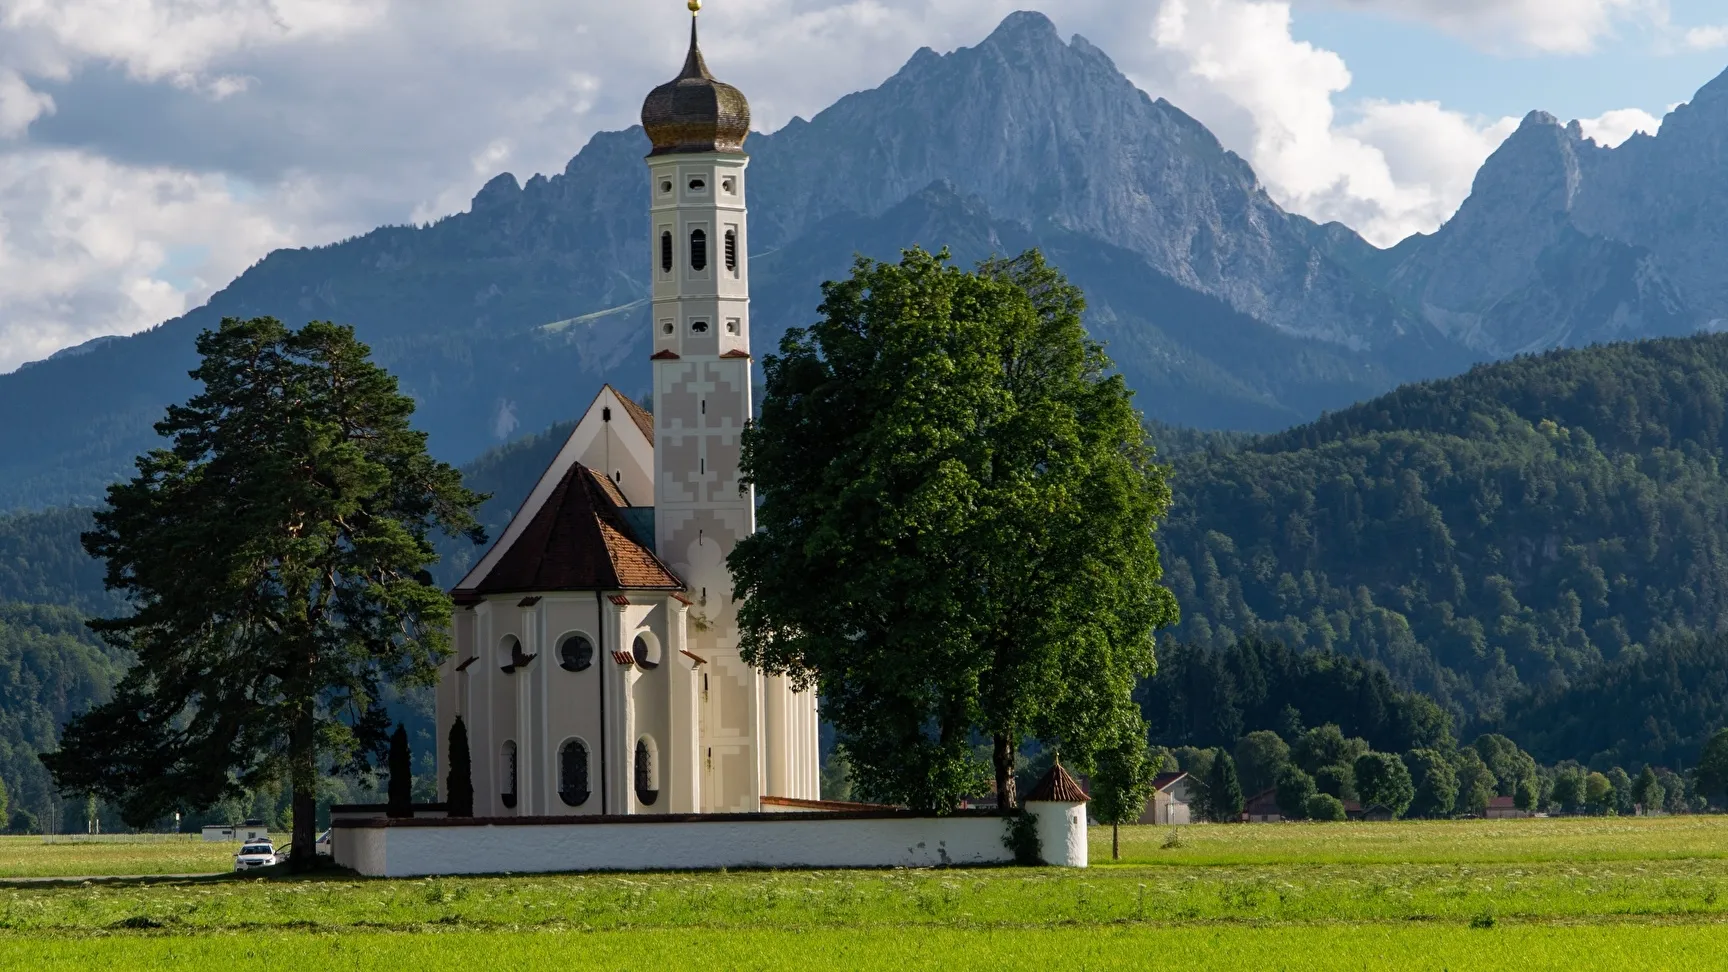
1172, 797
1503, 808
1374, 814
233, 833
1262, 807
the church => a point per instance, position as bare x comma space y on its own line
596, 664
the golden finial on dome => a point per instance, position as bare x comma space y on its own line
695, 6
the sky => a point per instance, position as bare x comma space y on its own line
151, 150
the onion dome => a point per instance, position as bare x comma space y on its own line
693, 113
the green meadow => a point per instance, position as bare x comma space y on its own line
1537, 894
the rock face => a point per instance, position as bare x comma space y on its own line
1050, 132
1222, 310
1564, 242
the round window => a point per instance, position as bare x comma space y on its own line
575, 653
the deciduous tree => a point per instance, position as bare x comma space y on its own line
1259, 757
1383, 780
274, 558
957, 504
1647, 791
1121, 786
1295, 788
1712, 772
1325, 807
1436, 783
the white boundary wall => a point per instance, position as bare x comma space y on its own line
420, 848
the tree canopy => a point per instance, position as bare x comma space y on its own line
275, 562
957, 505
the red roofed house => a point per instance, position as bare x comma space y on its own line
1262, 807
1172, 798
1504, 808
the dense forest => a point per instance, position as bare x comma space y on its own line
1492, 538
1532, 548
51, 668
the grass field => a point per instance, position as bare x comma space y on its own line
33, 857
1574, 894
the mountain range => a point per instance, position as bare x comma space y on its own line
1223, 310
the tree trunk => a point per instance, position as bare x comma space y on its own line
1007, 799
303, 777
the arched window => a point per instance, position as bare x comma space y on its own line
509, 649
732, 251
698, 250
666, 252
507, 773
575, 653
573, 773
646, 648
647, 778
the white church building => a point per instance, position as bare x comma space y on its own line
612, 723
597, 667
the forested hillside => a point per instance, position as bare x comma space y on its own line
1536, 545
1494, 537
51, 668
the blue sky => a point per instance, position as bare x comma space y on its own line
1638, 67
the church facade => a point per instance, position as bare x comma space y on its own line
596, 664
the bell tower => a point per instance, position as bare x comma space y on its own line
752, 729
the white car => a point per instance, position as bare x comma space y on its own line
323, 845
253, 856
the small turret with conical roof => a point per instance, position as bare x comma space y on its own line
693, 113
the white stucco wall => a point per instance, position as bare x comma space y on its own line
731, 842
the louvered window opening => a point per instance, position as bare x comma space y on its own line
666, 252
732, 251
698, 250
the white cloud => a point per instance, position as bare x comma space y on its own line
1614, 127
1707, 38
19, 105
178, 40
1550, 26
143, 129
84, 243
1391, 170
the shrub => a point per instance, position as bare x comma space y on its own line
1325, 807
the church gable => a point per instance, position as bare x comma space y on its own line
614, 442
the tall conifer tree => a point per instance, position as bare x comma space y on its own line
275, 560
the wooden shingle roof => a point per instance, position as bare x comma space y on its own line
577, 541
1057, 787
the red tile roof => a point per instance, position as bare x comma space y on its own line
736, 354
1502, 803
663, 356
1164, 781
577, 541
1057, 787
